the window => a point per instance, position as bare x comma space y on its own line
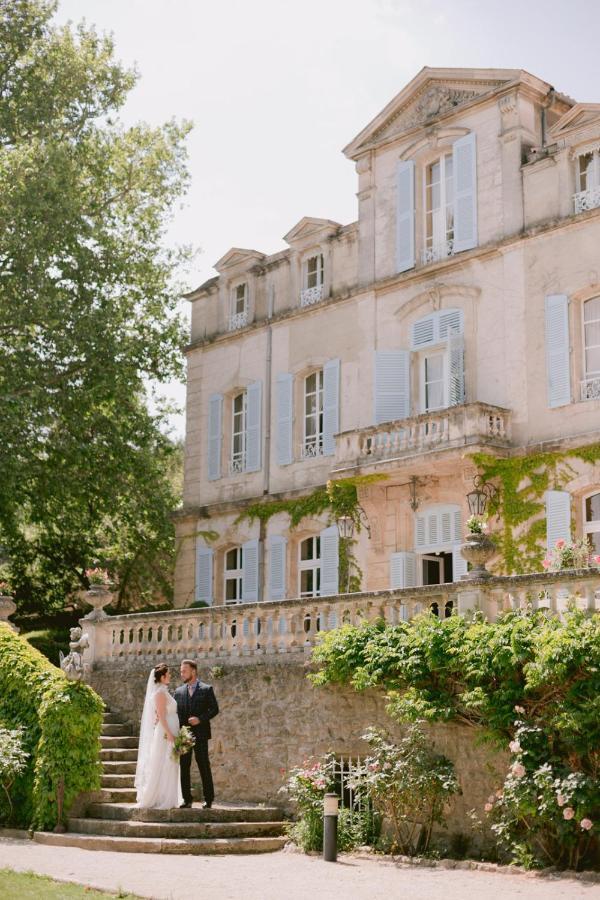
312, 444
314, 269
233, 575
591, 521
309, 567
439, 209
239, 307
590, 386
238, 433
587, 177
434, 381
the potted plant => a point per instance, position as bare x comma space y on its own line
99, 593
570, 555
478, 548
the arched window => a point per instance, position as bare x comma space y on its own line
309, 567
233, 575
591, 521
590, 389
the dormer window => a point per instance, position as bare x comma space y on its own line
439, 209
587, 177
238, 316
313, 278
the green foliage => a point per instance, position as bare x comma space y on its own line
13, 760
50, 642
409, 785
483, 674
61, 722
522, 482
88, 317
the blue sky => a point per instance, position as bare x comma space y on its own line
276, 88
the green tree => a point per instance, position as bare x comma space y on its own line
88, 300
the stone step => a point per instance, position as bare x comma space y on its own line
231, 812
116, 729
118, 795
118, 742
118, 754
180, 830
118, 781
118, 767
192, 846
110, 718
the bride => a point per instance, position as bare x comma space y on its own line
157, 773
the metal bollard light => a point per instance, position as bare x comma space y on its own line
330, 819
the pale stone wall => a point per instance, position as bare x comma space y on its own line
272, 718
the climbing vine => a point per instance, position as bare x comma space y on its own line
522, 482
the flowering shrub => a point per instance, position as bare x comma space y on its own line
409, 785
13, 760
570, 555
477, 525
545, 813
97, 576
5, 590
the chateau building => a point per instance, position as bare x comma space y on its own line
459, 314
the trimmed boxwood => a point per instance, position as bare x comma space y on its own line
62, 721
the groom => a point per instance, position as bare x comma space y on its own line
196, 706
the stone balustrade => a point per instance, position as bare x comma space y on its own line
251, 631
455, 426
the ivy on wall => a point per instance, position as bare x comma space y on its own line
522, 482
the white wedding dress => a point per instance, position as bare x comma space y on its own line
157, 777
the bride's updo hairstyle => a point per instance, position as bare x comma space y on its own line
160, 672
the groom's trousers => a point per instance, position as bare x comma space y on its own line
185, 762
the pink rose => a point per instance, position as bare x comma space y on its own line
488, 807
560, 543
518, 770
546, 563
568, 813
373, 766
586, 824
514, 746
561, 799
596, 560
519, 709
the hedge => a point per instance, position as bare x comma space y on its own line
62, 721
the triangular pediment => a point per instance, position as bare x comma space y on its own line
432, 94
579, 116
309, 227
237, 256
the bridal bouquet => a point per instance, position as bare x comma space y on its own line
183, 743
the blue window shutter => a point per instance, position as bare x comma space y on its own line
459, 565
330, 561
284, 409
204, 574
464, 158
558, 363
403, 570
456, 369
558, 517
392, 385
215, 436
277, 567
405, 216
331, 405
250, 571
254, 427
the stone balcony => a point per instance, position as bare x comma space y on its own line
466, 425
248, 632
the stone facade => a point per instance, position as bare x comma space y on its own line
403, 342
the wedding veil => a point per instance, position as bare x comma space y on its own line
146, 733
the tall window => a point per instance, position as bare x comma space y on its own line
239, 307
591, 521
439, 209
309, 567
238, 433
312, 444
590, 389
314, 269
434, 381
587, 176
233, 575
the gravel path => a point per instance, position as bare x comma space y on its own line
277, 876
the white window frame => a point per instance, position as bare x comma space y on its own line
238, 314
424, 355
312, 445
238, 458
590, 385
438, 560
312, 293
587, 196
314, 565
593, 526
440, 249
236, 575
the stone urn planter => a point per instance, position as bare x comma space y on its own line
7, 608
98, 596
477, 549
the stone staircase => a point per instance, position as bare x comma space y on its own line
112, 821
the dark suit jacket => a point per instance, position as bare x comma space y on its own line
202, 704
